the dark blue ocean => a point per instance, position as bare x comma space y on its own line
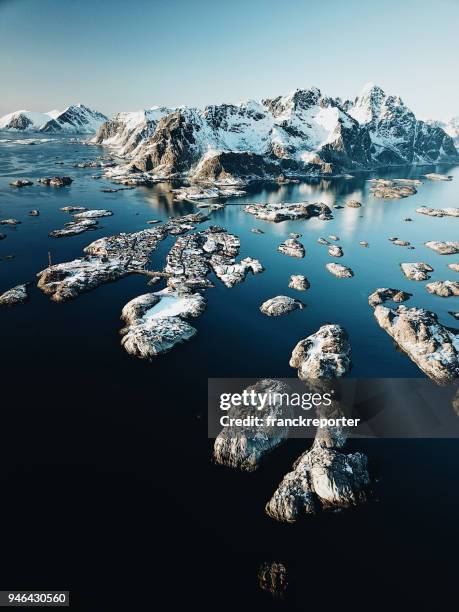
105, 464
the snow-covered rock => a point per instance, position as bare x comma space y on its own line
433, 347
16, 295
454, 267
417, 271
93, 214
324, 354
243, 447
339, 270
443, 248
379, 296
155, 321
299, 282
397, 137
335, 251
278, 211
72, 228
280, 305
445, 288
75, 119
450, 126
292, 247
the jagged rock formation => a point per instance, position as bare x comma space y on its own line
379, 296
277, 212
433, 347
301, 133
244, 446
75, 119
416, 271
443, 288
14, 296
325, 354
339, 270
280, 305
443, 248
397, 137
292, 248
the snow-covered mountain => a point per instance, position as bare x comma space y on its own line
75, 119
450, 126
397, 137
303, 132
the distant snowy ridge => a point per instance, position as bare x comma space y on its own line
301, 133
75, 119
450, 126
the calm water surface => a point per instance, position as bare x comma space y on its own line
105, 462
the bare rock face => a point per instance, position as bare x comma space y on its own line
353, 204
335, 251
292, 247
72, 228
299, 282
244, 446
339, 270
454, 267
155, 321
273, 578
21, 183
322, 478
280, 305
434, 176
438, 212
392, 189
14, 296
277, 212
379, 296
416, 271
443, 248
433, 347
325, 354
56, 181
443, 288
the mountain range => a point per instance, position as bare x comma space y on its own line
301, 133
75, 119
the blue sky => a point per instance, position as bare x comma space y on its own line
116, 55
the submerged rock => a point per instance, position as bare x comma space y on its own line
433, 347
443, 288
443, 248
14, 296
325, 354
292, 247
155, 321
283, 211
339, 270
56, 181
244, 446
335, 251
280, 305
416, 271
379, 296
299, 282
434, 176
73, 228
256, 230
392, 189
438, 212
21, 183
2, 236
93, 214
